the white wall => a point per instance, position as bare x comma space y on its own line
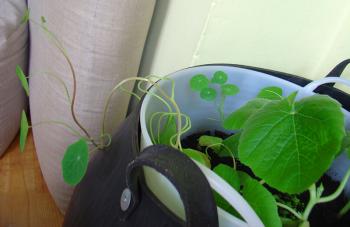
300, 37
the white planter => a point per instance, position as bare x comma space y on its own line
250, 82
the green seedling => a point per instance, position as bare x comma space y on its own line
200, 83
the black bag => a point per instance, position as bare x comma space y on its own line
114, 193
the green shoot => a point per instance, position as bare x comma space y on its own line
23, 131
23, 79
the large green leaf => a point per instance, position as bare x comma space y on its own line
272, 93
237, 119
23, 79
198, 156
169, 129
261, 200
231, 177
23, 131
290, 145
75, 162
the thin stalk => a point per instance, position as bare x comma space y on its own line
344, 210
58, 79
172, 101
291, 210
73, 131
65, 55
338, 191
221, 107
312, 202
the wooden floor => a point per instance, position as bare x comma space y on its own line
24, 197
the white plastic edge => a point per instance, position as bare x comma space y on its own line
315, 84
232, 196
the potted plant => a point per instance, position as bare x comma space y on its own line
274, 140
281, 139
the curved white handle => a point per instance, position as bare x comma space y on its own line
314, 84
232, 197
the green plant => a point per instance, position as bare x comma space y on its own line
76, 157
288, 145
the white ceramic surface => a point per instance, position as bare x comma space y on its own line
200, 112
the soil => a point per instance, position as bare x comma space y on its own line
323, 215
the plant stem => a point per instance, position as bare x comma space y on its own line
58, 79
339, 190
171, 100
291, 210
344, 210
315, 199
73, 131
312, 202
65, 55
221, 107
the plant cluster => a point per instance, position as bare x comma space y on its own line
288, 144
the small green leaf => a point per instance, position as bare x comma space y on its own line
291, 144
75, 162
23, 79
229, 89
210, 141
237, 119
169, 129
198, 156
232, 178
198, 82
230, 143
25, 16
23, 131
43, 20
346, 143
261, 200
220, 77
272, 93
208, 94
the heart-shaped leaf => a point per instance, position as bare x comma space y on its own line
198, 156
291, 144
23, 79
23, 131
272, 93
237, 119
261, 200
75, 162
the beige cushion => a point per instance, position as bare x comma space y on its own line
13, 51
104, 40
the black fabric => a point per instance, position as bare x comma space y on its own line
96, 200
200, 207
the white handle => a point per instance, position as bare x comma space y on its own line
315, 84
232, 197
